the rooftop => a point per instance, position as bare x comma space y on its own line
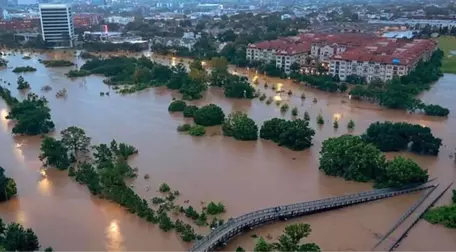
398, 51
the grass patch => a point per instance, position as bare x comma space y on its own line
448, 44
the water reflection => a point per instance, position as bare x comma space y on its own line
17, 150
115, 238
44, 186
21, 218
4, 121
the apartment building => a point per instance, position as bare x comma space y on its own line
304, 48
284, 52
57, 25
345, 54
382, 59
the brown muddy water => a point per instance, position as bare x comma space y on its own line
245, 176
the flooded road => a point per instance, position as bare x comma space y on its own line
245, 176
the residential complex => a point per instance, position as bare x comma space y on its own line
345, 54
57, 25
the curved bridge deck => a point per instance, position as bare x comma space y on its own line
237, 225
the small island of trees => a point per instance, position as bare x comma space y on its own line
295, 134
56, 63
369, 164
24, 69
105, 176
139, 74
22, 84
32, 115
389, 136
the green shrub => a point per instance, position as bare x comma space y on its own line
262, 97
284, 108
197, 130
215, 208
184, 127
177, 106
209, 115
190, 111
320, 120
306, 116
239, 126
164, 188
158, 200
351, 124
294, 111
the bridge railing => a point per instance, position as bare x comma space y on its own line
303, 205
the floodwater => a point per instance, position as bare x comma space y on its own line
245, 176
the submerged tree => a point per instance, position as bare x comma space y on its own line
75, 139
54, 153
239, 126
7, 186
209, 115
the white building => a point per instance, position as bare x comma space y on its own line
119, 20
418, 23
57, 25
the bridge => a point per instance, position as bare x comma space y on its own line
235, 226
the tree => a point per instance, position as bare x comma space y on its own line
388, 136
296, 135
3, 62
196, 130
54, 153
22, 84
75, 139
195, 86
271, 129
238, 87
262, 246
177, 106
190, 111
7, 187
240, 249
351, 124
209, 115
196, 64
320, 120
164, 188
32, 116
336, 124
306, 116
289, 240
239, 126
215, 208
350, 157
402, 171
16, 238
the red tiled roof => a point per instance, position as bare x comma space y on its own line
407, 52
360, 47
